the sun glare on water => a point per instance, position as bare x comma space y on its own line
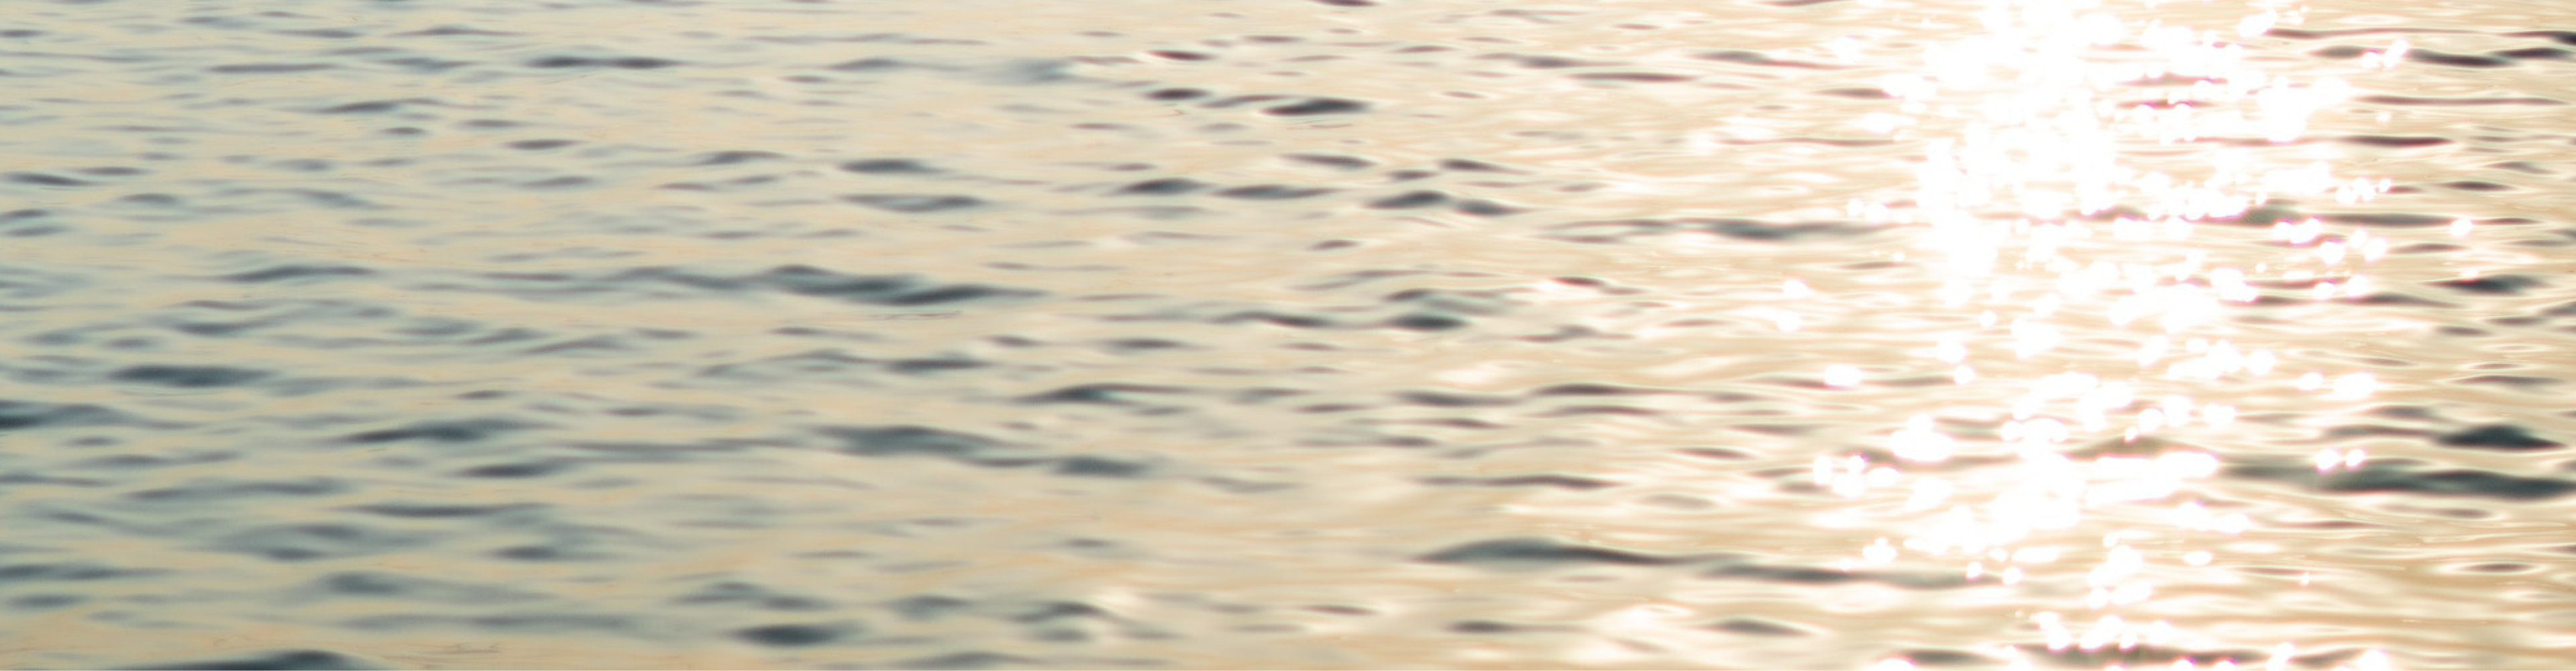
2033, 203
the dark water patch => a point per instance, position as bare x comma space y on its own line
1448, 399
190, 377
1178, 55
218, 490
2394, 141
1162, 187
297, 272
969, 660
74, 571
2327, 33
2535, 53
1315, 106
2145, 656
1177, 94
2368, 430
28, 283
1629, 230
370, 584
1858, 93
929, 606
736, 593
269, 68
425, 63
829, 362
2385, 476
23, 479
44, 179
1599, 389
1104, 393
2494, 285
563, 541
1472, 165
1141, 345
2519, 381
453, 30
1759, 626
2476, 185
795, 635
1944, 657
325, 33
2394, 298
45, 602
2422, 55
890, 166
34, 414
1486, 208
1427, 322
129, 462
633, 451
1715, 453
375, 106
1481, 303
1275, 319
1810, 575
306, 542
1577, 483
915, 203
1633, 77
804, 280
282, 660
1501, 627
1526, 553
736, 157
2505, 437
2389, 219
1031, 71
910, 441
444, 431
1759, 59
564, 182
619, 62
437, 511
1274, 192
524, 623
1099, 467
1593, 410
1331, 161
2505, 568
2566, 37
540, 145
870, 64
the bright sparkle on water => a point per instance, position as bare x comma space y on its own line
2024, 182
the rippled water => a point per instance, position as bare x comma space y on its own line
1335, 334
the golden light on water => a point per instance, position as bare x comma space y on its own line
2044, 203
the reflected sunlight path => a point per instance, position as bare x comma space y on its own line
2035, 205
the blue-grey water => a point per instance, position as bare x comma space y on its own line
1194, 334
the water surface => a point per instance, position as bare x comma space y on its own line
1223, 334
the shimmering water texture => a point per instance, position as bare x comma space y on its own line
1287, 334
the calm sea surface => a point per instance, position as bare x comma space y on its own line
1287, 334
